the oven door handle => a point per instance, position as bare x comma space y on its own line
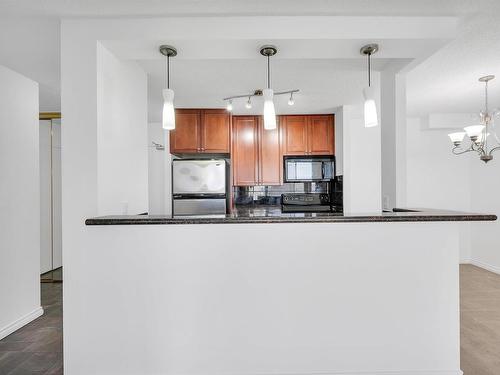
322, 171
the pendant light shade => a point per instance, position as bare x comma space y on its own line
269, 112
371, 117
168, 113
168, 116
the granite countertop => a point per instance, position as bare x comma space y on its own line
273, 214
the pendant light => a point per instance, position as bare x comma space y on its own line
168, 115
267, 93
371, 117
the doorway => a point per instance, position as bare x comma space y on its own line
50, 198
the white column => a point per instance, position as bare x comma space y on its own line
393, 128
361, 164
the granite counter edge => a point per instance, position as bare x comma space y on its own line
420, 217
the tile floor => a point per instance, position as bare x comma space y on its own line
480, 321
37, 348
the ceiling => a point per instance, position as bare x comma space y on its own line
324, 84
445, 82
155, 8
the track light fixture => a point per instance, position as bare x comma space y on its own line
268, 94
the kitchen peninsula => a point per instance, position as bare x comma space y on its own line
254, 289
312, 293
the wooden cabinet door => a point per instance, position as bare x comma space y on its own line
245, 151
215, 131
321, 135
185, 138
270, 156
295, 131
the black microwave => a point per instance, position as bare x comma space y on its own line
308, 169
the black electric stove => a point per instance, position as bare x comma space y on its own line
306, 202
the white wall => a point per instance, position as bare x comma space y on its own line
438, 179
19, 202
361, 304
156, 168
485, 197
361, 164
50, 196
122, 135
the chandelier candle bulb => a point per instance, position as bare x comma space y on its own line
457, 137
474, 131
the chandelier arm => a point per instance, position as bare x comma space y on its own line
458, 151
493, 150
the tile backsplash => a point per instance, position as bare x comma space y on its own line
272, 194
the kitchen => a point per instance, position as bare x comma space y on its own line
248, 288
225, 163
250, 188
258, 160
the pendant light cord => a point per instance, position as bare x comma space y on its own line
268, 72
486, 96
369, 70
167, 72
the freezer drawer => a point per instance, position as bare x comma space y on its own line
188, 207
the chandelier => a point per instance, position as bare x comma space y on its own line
479, 139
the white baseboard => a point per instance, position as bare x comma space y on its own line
375, 372
21, 322
486, 266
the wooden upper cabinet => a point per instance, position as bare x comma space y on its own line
308, 135
201, 131
270, 156
215, 131
186, 136
321, 135
294, 135
245, 151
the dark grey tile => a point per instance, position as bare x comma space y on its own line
37, 347
9, 361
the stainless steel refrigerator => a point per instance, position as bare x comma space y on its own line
199, 187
